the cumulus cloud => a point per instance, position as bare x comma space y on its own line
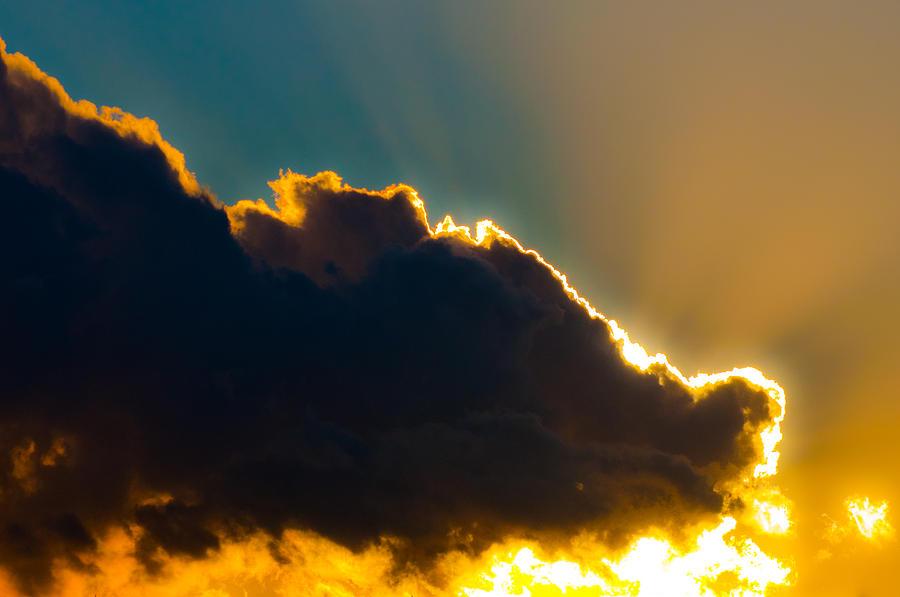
194, 372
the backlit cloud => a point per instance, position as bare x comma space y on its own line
182, 377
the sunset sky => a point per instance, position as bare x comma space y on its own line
722, 180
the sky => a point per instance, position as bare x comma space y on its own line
720, 180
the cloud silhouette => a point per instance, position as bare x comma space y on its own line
195, 372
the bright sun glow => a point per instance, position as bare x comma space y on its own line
772, 518
870, 519
652, 567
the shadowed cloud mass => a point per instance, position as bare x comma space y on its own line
196, 372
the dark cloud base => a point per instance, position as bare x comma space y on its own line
350, 374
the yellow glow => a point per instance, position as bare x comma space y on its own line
772, 518
719, 563
306, 565
651, 567
870, 519
525, 573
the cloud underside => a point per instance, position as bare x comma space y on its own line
200, 372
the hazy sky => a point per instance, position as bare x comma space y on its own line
720, 178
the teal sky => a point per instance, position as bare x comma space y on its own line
309, 86
721, 179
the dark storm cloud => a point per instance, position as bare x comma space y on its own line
334, 368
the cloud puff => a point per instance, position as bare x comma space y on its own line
196, 372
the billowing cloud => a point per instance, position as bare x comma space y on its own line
195, 373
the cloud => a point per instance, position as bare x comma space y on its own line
195, 373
